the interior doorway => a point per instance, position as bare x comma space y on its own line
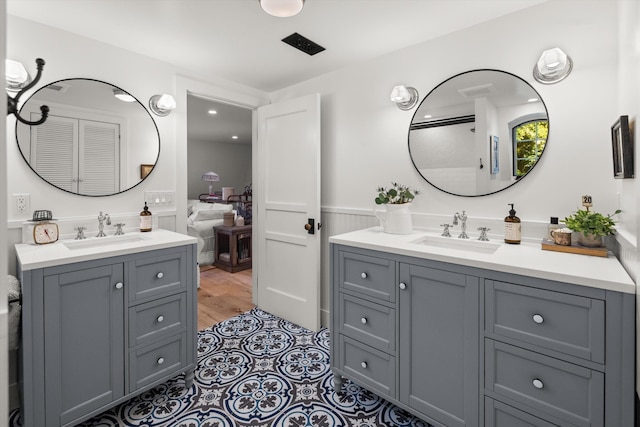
219, 141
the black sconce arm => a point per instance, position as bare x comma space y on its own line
12, 103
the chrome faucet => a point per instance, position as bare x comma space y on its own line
463, 226
101, 220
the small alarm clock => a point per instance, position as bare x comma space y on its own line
45, 232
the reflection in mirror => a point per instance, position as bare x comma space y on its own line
478, 132
92, 144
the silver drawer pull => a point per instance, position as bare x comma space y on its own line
160, 360
160, 275
119, 285
403, 285
364, 320
538, 319
537, 383
160, 319
364, 365
363, 275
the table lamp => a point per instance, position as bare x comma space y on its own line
210, 177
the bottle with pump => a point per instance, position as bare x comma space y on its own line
512, 228
553, 225
145, 219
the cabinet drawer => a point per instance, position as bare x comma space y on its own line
497, 414
367, 275
564, 390
371, 323
556, 321
367, 366
156, 361
158, 275
157, 320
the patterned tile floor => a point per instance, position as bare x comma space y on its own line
256, 370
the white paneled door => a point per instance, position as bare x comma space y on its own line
287, 212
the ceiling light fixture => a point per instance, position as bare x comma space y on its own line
405, 97
213, 112
123, 96
282, 8
553, 66
161, 105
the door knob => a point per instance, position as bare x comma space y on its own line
309, 226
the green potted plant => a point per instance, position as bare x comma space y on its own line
396, 219
591, 226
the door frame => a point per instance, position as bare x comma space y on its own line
242, 97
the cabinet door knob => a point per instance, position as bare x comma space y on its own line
403, 285
364, 320
160, 275
363, 275
538, 319
160, 360
119, 285
160, 319
364, 365
537, 383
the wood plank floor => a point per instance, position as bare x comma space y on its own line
222, 295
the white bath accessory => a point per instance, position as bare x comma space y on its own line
396, 219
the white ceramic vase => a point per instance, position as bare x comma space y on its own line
395, 219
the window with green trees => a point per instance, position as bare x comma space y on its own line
529, 139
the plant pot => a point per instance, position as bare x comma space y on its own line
396, 219
589, 240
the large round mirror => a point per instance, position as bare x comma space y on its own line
97, 141
478, 133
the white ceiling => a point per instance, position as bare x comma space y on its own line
237, 41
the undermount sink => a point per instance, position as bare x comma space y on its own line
98, 242
465, 245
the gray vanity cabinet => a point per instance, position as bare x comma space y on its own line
462, 346
96, 333
439, 347
84, 350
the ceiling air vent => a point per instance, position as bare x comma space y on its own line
303, 44
481, 90
58, 87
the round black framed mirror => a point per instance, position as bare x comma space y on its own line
98, 140
478, 132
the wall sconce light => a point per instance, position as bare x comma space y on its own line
161, 105
405, 97
553, 66
18, 80
282, 8
210, 177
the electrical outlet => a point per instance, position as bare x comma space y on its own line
21, 203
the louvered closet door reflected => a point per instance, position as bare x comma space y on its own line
99, 153
81, 156
54, 151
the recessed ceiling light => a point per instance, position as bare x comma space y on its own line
427, 116
532, 99
213, 112
234, 137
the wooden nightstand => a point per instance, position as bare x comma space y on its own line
232, 247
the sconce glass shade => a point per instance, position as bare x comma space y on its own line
17, 77
553, 66
282, 8
210, 177
123, 96
161, 105
405, 97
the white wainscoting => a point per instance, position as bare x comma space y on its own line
337, 221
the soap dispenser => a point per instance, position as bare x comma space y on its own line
512, 228
145, 219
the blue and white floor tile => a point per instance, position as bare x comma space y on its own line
256, 370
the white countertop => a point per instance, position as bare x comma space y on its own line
33, 256
526, 259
